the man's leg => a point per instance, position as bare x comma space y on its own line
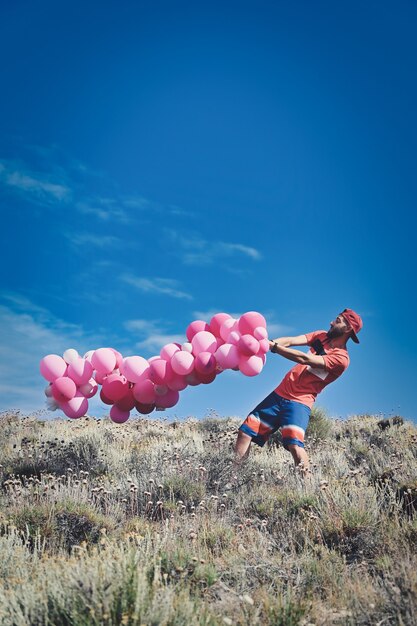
241, 450
300, 457
242, 447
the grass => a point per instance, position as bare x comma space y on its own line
130, 524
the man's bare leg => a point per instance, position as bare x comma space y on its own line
242, 447
241, 450
300, 457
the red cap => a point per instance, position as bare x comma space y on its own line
355, 322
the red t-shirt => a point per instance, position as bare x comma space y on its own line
303, 382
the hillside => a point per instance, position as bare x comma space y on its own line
131, 524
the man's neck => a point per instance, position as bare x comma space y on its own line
337, 342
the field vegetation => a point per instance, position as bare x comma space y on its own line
132, 524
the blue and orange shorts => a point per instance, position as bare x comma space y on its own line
277, 412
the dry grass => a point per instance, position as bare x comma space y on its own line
130, 524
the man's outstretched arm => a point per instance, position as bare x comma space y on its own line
286, 342
282, 346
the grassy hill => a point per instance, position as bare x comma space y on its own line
131, 524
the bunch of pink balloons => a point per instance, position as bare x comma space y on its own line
143, 384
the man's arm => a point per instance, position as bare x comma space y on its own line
286, 342
281, 346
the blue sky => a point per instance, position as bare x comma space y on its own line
162, 161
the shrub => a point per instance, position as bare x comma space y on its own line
320, 426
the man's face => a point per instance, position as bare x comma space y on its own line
338, 327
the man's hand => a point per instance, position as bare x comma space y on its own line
273, 345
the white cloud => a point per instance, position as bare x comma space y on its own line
105, 209
164, 286
34, 185
144, 327
278, 330
197, 251
88, 239
27, 333
154, 334
137, 202
154, 343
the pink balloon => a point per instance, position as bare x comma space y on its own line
168, 350
135, 368
144, 409
52, 367
89, 389
127, 403
187, 347
227, 327
76, 407
227, 356
99, 377
88, 355
204, 341
160, 390
160, 371
177, 382
205, 379
118, 416
249, 321
260, 333
63, 389
144, 392
119, 357
205, 363
168, 400
104, 360
80, 371
263, 346
251, 365
234, 337
248, 345
196, 327
115, 387
182, 362
193, 379
70, 355
104, 398
216, 321
153, 358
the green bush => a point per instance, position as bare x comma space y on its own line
320, 426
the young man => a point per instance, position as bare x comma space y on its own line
288, 407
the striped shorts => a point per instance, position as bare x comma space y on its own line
277, 412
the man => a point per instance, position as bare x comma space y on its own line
288, 407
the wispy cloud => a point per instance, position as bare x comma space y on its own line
142, 326
89, 239
154, 334
27, 333
34, 185
194, 250
154, 343
105, 209
59, 179
164, 286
